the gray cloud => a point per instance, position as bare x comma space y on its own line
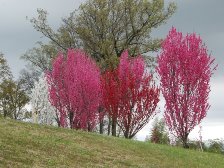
16, 32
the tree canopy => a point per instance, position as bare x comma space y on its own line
105, 29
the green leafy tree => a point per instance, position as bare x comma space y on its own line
12, 96
5, 72
106, 28
159, 132
12, 99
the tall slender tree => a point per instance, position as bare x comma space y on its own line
185, 69
46, 113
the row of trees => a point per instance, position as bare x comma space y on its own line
127, 94
117, 90
83, 98
103, 29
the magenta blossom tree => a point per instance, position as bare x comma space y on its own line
185, 69
75, 90
130, 96
138, 95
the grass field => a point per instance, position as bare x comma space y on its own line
31, 145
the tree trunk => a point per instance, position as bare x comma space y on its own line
57, 119
114, 127
71, 115
101, 126
15, 116
109, 125
58, 122
5, 113
200, 143
34, 115
126, 134
101, 118
89, 127
185, 144
119, 132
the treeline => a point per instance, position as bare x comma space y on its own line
95, 73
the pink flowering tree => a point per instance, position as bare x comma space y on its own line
75, 90
138, 95
130, 95
185, 68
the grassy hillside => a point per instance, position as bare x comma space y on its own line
31, 145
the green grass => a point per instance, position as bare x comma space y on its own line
32, 145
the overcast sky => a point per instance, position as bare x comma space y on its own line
203, 17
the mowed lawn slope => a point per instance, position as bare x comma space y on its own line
32, 145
